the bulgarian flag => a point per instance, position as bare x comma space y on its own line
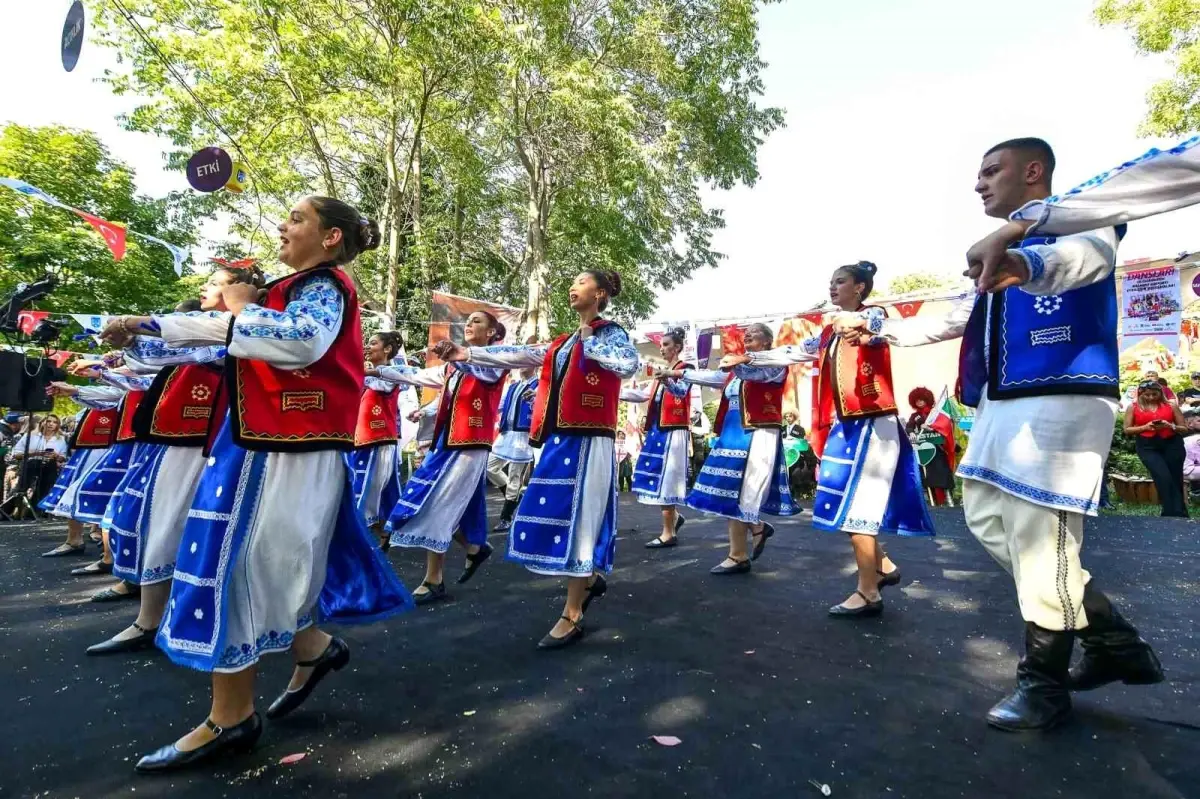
942, 420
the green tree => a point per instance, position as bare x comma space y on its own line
1164, 27
918, 281
36, 238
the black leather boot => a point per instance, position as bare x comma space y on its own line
1112, 648
1041, 700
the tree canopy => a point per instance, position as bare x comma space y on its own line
918, 281
503, 146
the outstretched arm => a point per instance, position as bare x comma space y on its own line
296, 337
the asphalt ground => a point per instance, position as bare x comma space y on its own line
768, 696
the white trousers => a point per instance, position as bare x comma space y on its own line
507, 475
1038, 546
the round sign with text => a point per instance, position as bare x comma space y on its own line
72, 36
209, 169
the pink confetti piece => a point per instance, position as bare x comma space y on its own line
290, 759
666, 740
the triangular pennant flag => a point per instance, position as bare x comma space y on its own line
733, 340
30, 191
815, 318
909, 308
27, 320
178, 254
113, 233
91, 323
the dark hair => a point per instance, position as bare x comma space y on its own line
500, 330
676, 334
1148, 385
921, 394
609, 282
251, 275
862, 273
391, 340
359, 234
187, 306
761, 329
1031, 148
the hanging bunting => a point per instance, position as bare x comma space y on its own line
178, 254
27, 320
733, 340
113, 232
31, 191
909, 308
92, 324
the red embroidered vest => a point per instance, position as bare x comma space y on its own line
469, 412
761, 403
125, 413
582, 398
301, 410
180, 404
96, 429
852, 383
377, 423
672, 412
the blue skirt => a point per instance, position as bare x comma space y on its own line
235, 517
79, 464
869, 481
729, 474
375, 494
98, 486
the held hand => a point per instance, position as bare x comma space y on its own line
730, 361
371, 370
990, 263
92, 369
236, 296
414, 416
117, 332
450, 352
114, 359
585, 332
57, 389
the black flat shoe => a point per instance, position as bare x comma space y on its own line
436, 593
65, 550
144, 640
679, 520
739, 567
597, 589
241, 738
766, 533
658, 543
99, 567
110, 595
891, 578
550, 642
334, 658
870, 609
474, 562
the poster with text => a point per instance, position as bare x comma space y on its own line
1151, 314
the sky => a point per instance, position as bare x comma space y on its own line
889, 105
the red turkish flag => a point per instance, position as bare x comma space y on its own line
815, 318
113, 233
908, 309
733, 340
27, 320
62, 356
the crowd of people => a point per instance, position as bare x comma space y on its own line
241, 459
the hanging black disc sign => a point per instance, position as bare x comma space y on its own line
72, 36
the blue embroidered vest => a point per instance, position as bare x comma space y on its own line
522, 419
1036, 346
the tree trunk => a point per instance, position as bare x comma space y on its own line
418, 240
537, 303
395, 226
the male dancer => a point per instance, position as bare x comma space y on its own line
1039, 360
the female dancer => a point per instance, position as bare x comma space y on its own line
444, 498
511, 447
273, 543
374, 460
745, 474
869, 479
157, 492
566, 523
90, 443
660, 477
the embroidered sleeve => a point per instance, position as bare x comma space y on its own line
760, 374
487, 374
635, 394
1071, 262
382, 386
929, 329
611, 348
875, 318
509, 356
126, 382
99, 397
783, 356
156, 353
431, 377
299, 335
196, 329
1154, 183
712, 378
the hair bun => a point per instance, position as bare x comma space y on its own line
868, 267
614, 280
368, 234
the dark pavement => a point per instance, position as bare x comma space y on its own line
767, 693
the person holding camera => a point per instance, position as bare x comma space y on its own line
1159, 427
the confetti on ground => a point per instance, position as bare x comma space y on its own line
824, 789
468, 712
290, 759
748, 652
666, 740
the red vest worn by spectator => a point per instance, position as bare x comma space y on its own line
855, 383
761, 403
468, 412
672, 412
582, 399
125, 413
377, 418
300, 410
180, 404
96, 429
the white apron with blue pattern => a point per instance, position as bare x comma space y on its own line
97, 486
375, 472
63, 499
443, 496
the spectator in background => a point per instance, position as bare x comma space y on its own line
1167, 393
1189, 398
1159, 427
10, 428
624, 463
700, 432
1191, 466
